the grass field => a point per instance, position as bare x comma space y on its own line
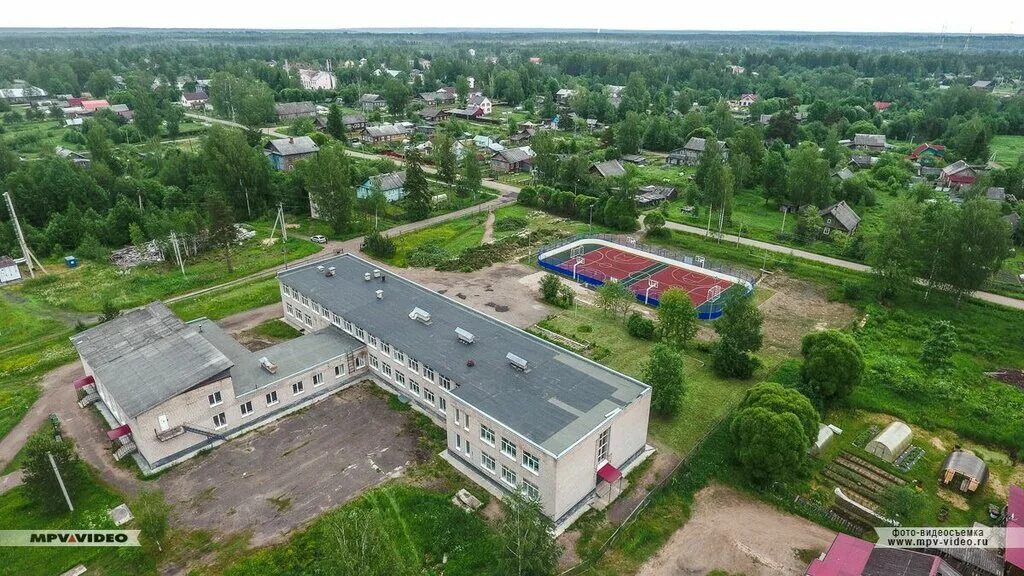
1007, 150
238, 298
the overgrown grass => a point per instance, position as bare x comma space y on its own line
1007, 150
20, 373
232, 300
277, 329
454, 236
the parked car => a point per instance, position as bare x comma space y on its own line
318, 238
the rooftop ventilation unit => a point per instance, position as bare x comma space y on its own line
267, 365
331, 271
420, 314
376, 272
464, 336
516, 362
320, 268
367, 276
380, 294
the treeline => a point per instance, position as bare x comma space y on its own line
617, 209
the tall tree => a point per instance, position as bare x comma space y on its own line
808, 179
525, 544
221, 224
417, 188
628, 133
470, 176
335, 122
770, 432
833, 366
739, 332
41, 485
330, 187
664, 374
773, 177
677, 318
396, 94
895, 248
445, 159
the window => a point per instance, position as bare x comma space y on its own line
374, 362
458, 441
374, 342
385, 348
386, 369
530, 490
309, 321
446, 383
400, 378
530, 462
458, 416
487, 435
399, 356
327, 314
469, 450
429, 396
602, 445
337, 320
466, 416
488, 461
272, 398
215, 399
297, 388
508, 476
826, 230
414, 387
428, 373
305, 301
288, 306
442, 404
220, 421
246, 409
316, 307
339, 371
318, 379
348, 326
415, 365
359, 361
508, 448
360, 334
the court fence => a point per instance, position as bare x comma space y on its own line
708, 310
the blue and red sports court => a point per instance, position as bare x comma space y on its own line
595, 261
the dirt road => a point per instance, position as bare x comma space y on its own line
733, 532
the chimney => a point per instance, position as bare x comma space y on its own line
291, 140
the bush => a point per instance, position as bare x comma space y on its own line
730, 362
509, 223
640, 326
554, 292
379, 245
428, 255
852, 290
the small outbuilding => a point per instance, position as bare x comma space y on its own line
891, 442
964, 471
9, 271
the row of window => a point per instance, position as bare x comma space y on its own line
440, 403
508, 475
508, 448
246, 408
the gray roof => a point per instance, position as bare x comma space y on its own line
958, 166
385, 130
863, 160
966, 463
291, 146
294, 108
389, 181
477, 100
844, 174
195, 96
995, 194
6, 262
349, 119
370, 98
609, 168
437, 96
842, 212
514, 155
560, 398
148, 356
698, 144
872, 140
291, 357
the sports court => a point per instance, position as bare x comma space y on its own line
594, 261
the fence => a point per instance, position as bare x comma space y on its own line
708, 310
643, 504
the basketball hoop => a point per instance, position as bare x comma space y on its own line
699, 260
714, 292
579, 260
576, 251
651, 284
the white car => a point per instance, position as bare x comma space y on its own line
318, 238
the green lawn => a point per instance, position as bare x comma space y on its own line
1007, 150
277, 329
238, 298
454, 235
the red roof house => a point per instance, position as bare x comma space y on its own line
882, 106
958, 174
927, 149
94, 105
75, 102
849, 556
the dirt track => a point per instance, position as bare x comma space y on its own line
735, 533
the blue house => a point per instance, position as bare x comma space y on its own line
391, 184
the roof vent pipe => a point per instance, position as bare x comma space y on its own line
380, 294
376, 272
331, 271
320, 268
366, 276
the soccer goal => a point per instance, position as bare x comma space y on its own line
577, 252
714, 293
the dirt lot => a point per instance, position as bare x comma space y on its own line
796, 308
283, 475
735, 533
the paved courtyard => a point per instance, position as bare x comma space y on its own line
283, 475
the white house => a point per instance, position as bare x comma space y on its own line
482, 102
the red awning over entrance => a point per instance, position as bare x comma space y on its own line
609, 473
83, 382
122, 430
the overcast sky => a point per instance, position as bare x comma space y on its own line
982, 16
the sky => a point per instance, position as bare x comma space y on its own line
980, 16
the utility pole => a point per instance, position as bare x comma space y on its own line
60, 481
29, 256
244, 189
279, 220
177, 253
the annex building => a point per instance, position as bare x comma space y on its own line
520, 413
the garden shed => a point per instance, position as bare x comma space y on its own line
891, 442
964, 471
